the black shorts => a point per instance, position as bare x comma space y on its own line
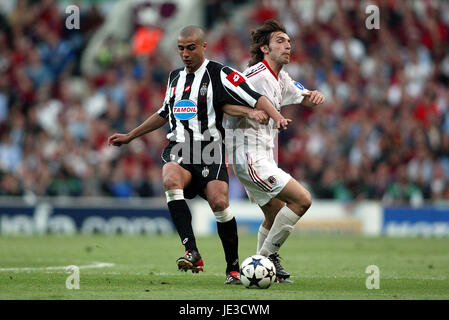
205, 161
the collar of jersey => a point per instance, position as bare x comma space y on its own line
206, 61
269, 68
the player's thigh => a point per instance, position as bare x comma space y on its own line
256, 177
174, 176
294, 194
217, 194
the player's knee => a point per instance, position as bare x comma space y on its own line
306, 202
302, 204
218, 203
171, 183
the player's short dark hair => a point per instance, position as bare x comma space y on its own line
260, 37
193, 31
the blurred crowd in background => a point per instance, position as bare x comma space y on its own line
383, 133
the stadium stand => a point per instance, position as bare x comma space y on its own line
383, 133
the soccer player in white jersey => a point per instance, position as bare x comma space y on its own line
250, 144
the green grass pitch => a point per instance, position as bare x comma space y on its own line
322, 267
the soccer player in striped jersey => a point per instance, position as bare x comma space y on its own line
282, 199
194, 160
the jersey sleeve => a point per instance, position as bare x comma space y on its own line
293, 91
236, 89
164, 110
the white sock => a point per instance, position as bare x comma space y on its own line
224, 216
282, 227
175, 194
261, 236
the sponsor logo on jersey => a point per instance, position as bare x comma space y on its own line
185, 110
235, 78
299, 85
187, 89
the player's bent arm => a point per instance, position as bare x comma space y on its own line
242, 111
155, 121
265, 105
237, 111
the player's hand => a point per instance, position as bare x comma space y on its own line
282, 123
315, 97
260, 116
117, 139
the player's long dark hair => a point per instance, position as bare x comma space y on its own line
260, 37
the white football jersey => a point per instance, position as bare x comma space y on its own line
280, 91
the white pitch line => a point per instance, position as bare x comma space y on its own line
88, 266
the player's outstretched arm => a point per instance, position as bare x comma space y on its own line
312, 98
242, 111
153, 122
264, 104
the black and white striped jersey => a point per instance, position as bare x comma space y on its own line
194, 102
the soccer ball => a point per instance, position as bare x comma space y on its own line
257, 272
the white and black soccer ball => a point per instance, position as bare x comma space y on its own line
257, 272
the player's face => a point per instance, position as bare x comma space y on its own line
191, 50
279, 48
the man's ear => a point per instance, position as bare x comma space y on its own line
264, 49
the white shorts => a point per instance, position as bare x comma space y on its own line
260, 175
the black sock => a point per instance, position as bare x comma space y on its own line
229, 238
182, 219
